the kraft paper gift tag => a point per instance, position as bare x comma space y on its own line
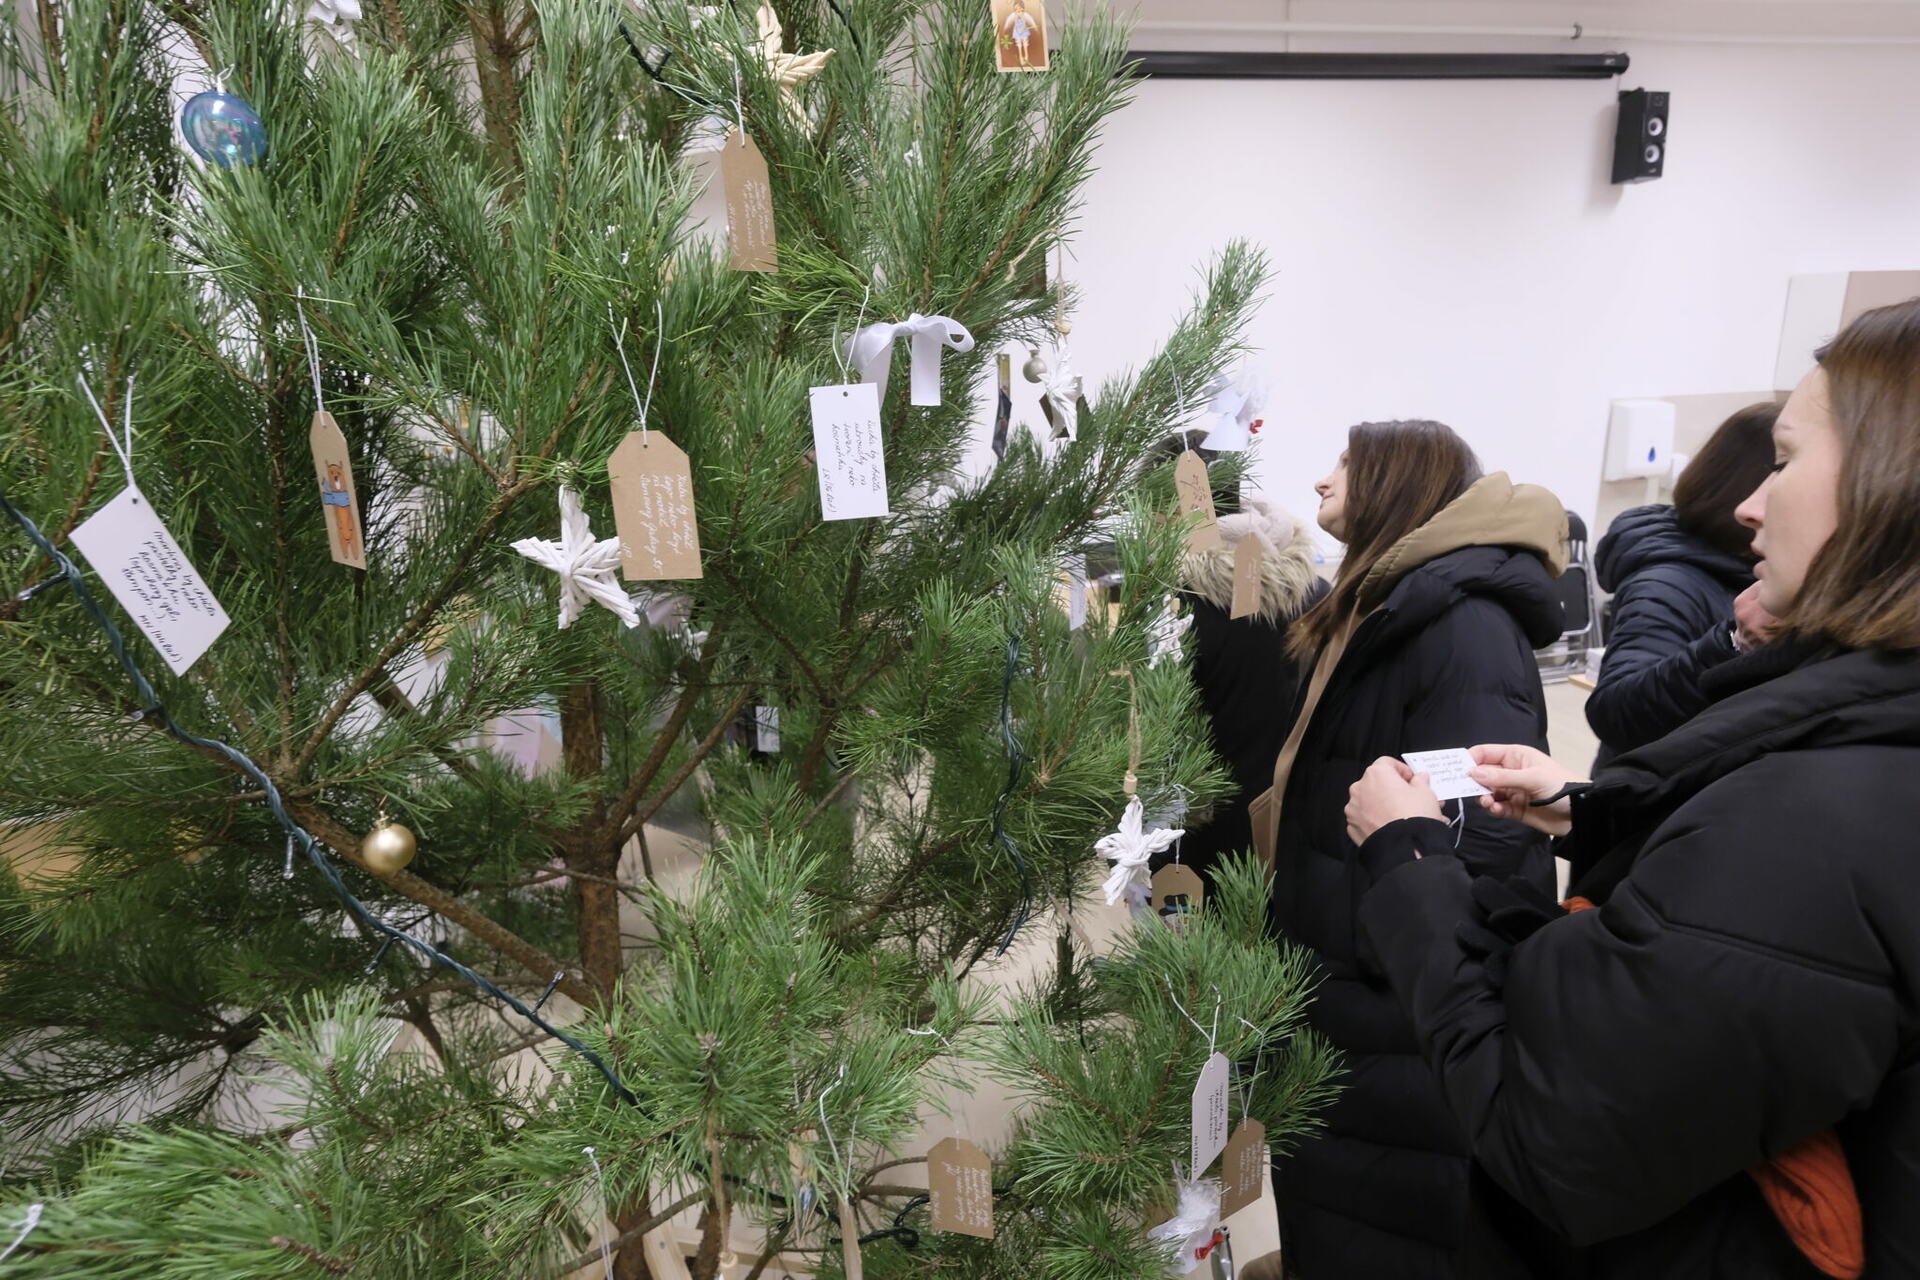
334, 469
653, 511
743, 175
1196, 498
960, 1188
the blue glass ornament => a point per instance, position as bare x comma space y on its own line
223, 130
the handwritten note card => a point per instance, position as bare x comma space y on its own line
652, 486
1241, 1172
149, 575
1209, 1113
960, 1188
1196, 499
1447, 771
848, 453
743, 172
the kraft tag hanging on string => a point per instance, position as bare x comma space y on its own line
850, 1260
1245, 1164
1196, 498
848, 453
960, 1188
652, 484
749, 192
1210, 1112
1177, 894
143, 566
332, 464
1247, 566
333, 468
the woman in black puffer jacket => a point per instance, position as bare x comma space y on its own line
1717, 1072
1674, 572
1425, 642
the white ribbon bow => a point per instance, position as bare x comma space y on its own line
1190, 1230
1233, 405
872, 350
1131, 848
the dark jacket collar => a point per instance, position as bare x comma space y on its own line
1648, 536
1517, 580
1789, 696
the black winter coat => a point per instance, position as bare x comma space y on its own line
1382, 1193
1672, 621
1247, 682
1747, 983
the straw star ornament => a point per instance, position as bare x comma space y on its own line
789, 70
589, 570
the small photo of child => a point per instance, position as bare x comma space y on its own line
1020, 34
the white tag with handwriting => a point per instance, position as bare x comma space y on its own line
1448, 771
1209, 1113
149, 575
848, 452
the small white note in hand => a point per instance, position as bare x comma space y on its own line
149, 575
1448, 771
848, 453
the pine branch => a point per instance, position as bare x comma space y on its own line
447, 907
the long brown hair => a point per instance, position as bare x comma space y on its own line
1729, 467
1863, 588
1399, 476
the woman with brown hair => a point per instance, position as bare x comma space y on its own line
1716, 1073
1675, 572
1425, 642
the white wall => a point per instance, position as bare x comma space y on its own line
1454, 250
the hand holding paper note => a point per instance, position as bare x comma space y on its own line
1450, 772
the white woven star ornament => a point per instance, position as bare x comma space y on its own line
789, 70
1131, 848
335, 17
589, 570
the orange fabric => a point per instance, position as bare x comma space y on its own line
1811, 1192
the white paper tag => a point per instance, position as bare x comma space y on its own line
848, 453
149, 575
1076, 592
1447, 771
1209, 1113
766, 730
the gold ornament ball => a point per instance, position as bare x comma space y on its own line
388, 848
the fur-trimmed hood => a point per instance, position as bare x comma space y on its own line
1287, 576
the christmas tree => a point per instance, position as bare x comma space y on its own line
462, 235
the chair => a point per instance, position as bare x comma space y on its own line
1567, 656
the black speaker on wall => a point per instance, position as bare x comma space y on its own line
1640, 138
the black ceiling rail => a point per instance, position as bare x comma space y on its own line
1256, 65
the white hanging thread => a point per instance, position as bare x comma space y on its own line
313, 348
1213, 1036
846, 360
286, 872
1246, 1087
31, 1221
659, 340
124, 450
606, 1245
824, 1126
1459, 821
